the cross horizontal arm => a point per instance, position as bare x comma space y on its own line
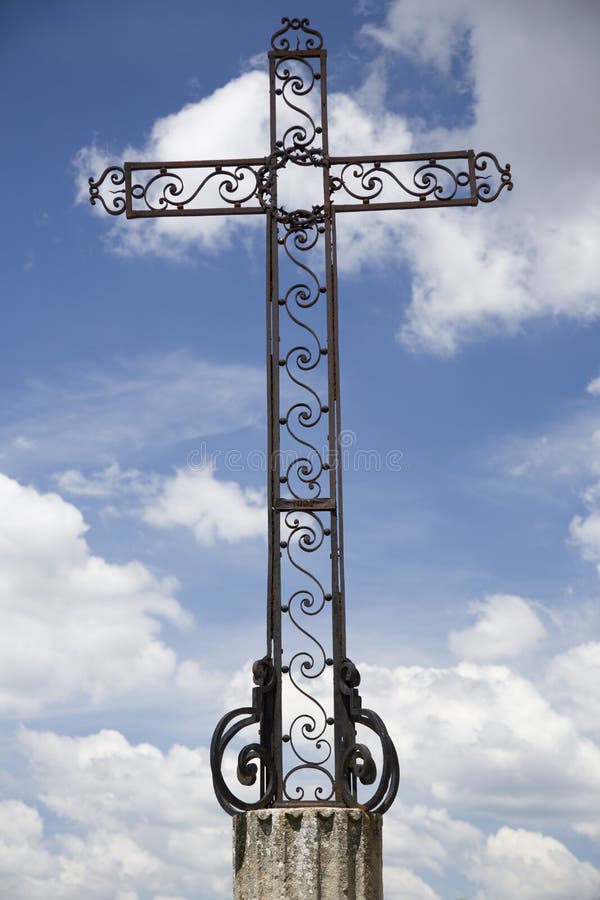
183, 188
413, 180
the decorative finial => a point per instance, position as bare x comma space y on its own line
306, 39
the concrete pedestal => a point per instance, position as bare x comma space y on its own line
309, 853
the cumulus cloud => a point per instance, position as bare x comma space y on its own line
574, 680
531, 866
230, 123
475, 272
496, 270
506, 627
213, 509
131, 821
505, 748
404, 884
75, 625
131, 816
426, 839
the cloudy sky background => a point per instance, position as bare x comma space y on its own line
132, 486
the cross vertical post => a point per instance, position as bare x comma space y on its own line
305, 702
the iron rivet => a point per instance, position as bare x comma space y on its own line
324, 351
279, 92
327, 532
286, 738
330, 721
282, 421
281, 302
285, 670
284, 608
283, 479
323, 290
282, 362
328, 596
329, 661
326, 467
324, 409
283, 544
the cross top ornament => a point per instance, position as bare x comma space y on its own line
311, 742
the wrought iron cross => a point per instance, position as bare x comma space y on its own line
305, 701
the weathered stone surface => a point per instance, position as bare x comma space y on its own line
310, 853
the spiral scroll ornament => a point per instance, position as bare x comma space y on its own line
116, 177
253, 755
296, 31
358, 764
374, 181
234, 185
486, 191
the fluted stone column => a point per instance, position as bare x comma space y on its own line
310, 853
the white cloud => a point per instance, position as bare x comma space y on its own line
230, 123
533, 254
74, 625
21, 853
131, 817
213, 509
567, 450
504, 746
403, 884
131, 820
427, 839
584, 531
585, 534
506, 627
105, 482
594, 386
136, 402
531, 866
574, 681
475, 272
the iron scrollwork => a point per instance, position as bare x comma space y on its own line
165, 190
485, 191
116, 177
432, 180
305, 674
261, 712
358, 763
306, 38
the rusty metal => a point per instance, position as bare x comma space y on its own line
305, 701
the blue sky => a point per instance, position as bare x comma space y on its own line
132, 355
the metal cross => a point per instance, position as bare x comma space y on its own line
305, 701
